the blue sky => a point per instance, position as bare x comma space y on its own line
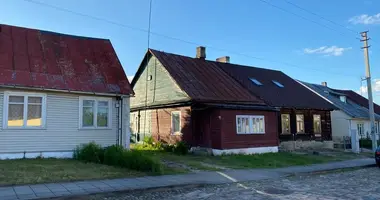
300, 48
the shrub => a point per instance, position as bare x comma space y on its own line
168, 148
90, 152
138, 161
148, 140
113, 155
366, 143
181, 148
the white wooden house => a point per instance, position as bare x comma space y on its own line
58, 91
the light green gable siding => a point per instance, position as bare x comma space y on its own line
161, 88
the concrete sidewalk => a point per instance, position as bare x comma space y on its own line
125, 184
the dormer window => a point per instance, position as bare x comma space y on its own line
255, 81
343, 99
278, 84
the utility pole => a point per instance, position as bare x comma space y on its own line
369, 88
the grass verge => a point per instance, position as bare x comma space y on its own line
33, 171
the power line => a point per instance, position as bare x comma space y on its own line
302, 17
190, 42
324, 18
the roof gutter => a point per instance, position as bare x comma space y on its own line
65, 91
318, 94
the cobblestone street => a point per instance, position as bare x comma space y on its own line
357, 184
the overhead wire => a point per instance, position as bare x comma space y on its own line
195, 43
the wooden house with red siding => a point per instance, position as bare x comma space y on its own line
192, 99
221, 106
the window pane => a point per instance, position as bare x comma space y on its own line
102, 103
15, 115
34, 99
175, 122
262, 125
88, 116
34, 115
88, 102
245, 125
317, 123
285, 122
239, 125
16, 99
102, 118
300, 124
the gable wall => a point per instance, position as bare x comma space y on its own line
161, 88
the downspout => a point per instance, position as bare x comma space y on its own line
118, 120
121, 121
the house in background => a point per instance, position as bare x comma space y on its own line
58, 91
304, 116
194, 100
352, 114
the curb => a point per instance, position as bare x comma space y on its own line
334, 170
150, 189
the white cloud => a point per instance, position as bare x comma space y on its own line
375, 87
365, 19
327, 51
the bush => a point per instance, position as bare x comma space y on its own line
90, 152
148, 140
168, 147
113, 155
366, 143
181, 148
138, 161
116, 155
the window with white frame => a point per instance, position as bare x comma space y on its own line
24, 110
176, 122
250, 124
95, 112
300, 123
285, 124
360, 129
317, 126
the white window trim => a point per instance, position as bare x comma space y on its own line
320, 124
95, 99
290, 128
171, 123
303, 122
25, 95
250, 124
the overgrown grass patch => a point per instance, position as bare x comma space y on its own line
33, 171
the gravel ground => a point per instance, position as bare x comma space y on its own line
357, 184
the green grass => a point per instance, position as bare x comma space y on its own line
32, 171
268, 160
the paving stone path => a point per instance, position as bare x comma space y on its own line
362, 184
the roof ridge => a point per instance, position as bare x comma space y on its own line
53, 32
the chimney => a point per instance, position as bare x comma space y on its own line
224, 59
201, 52
324, 83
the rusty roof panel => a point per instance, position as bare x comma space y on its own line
204, 81
34, 58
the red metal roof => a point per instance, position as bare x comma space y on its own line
41, 59
359, 99
203, 80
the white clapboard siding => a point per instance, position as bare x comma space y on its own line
62, 131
